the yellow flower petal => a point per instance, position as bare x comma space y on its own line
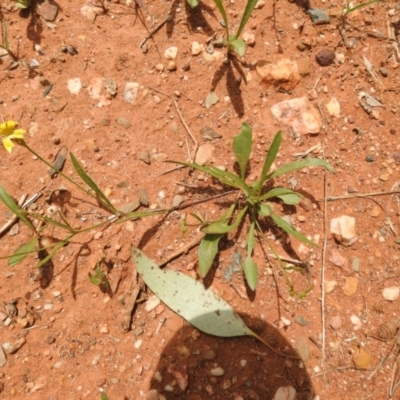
8, 144
7, 128
18, 134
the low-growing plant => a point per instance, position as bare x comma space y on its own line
43, 241
232, 41
254, 202
23, 4
349, 8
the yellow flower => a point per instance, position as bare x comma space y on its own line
7, 129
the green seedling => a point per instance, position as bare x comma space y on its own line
254, 202
233, 42
100, 278
346, 11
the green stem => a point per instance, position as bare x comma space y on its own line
24, 144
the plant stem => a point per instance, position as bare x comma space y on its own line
24, 144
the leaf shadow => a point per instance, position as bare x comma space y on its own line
250, 368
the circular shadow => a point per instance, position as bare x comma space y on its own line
198, 366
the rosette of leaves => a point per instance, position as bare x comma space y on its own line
256, 202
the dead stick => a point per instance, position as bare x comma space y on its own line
323, 274
352, 196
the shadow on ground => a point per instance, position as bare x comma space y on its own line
250, 369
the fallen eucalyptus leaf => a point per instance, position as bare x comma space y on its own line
201, 307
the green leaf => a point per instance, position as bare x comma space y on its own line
189, 298
290, 230
224, 176
249, 266
50, 255
208, 249
239, 45
272, 153
13, 207
88, 180
222, 227
242, 147
22, 252
290, 199
264, 210
277, 192
193, 3
246, 15
221, 9
309, 162
103, 396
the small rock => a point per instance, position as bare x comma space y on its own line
285, 393
304, 66
300, 114
171, 53
209, 133
138, 344
160, 67
343, 229
336, 322
325, 58
171, 66
350, 286
391, 293
143, 197
355, 265
98, 235
249, 38
104, 329
185, 67
396, 156
124, 122
384, 177
286, 321
369, 158
180, 374
74, 85
356, 322
337, 259
196, 48
260, 4
330, 286
90, 11
3, 358
205, 154
131, 92
145, 157
375, 212
333, 108
95, 90
300, 320
48, 10
177, 201
218, 371
303, 348
384, 72
111, 86
151, 303
282, 72
211, 99
318, 16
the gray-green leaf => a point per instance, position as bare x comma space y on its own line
189, 298
22, 252
242, 147
208, 249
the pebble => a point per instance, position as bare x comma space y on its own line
205, 154
337, 259
111, 86
286, 321
396, 156
300, 320
48, 11
356, 322
138, 344
209, 133
151, 303
369, 158
391, 293
171, 53
177, 201
249, 38
104, 329
74, 85
196, 48
336, 322
375, 212
123, 122
3, 358
285, 393
160, 67
98, 235
351, 119
325, 57
333, 108
350, 286
384, 72
218, 371
143, 197
330, 286
171, 66
131, 92
343, 229
303, 348
144, 156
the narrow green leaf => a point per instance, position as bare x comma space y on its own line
276, 192
139, 214
193, 3
242, 147
309, 162
198, 218
103, 396
290, 230
50, 255
22, 252
89, 181
94, 279
249, 266
223, 228
13, 207
189, 298
221, 9
290, 199
208, 249
246, 15
269, 159
238, 45
224, 176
